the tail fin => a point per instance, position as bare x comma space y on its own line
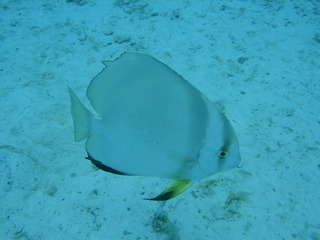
81, 117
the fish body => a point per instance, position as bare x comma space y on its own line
150, 121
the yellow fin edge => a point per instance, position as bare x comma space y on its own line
172, 191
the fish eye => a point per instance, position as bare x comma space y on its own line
223, 154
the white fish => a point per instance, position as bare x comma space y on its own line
150, 121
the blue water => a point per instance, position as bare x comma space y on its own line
258, 60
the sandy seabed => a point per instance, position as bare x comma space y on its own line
258, 60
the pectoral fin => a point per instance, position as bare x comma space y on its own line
173, 190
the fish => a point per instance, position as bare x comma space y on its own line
149, 121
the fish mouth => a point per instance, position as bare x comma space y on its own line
238, 162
